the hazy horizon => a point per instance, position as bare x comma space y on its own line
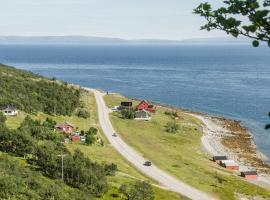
153, 19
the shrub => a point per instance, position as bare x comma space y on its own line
127, 114
140, 190
2, 118
172, 127
90, 136
83, 114
171, 113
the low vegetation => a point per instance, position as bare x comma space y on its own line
184, 156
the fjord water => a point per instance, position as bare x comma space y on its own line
231, 81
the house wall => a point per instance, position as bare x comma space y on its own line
232, 167
251, 177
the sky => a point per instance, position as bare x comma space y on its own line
127, 19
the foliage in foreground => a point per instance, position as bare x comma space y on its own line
247, 18
140, 190
17, 181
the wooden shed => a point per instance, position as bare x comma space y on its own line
250, 175
230, 164
217, 159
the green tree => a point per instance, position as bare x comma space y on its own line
247, 18
90, 136
140, 190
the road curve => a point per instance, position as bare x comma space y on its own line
137, 159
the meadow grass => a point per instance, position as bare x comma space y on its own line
181, 154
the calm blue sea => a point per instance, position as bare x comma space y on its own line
232, 81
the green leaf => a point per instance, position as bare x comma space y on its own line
255, 43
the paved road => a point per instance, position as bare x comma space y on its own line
137, 159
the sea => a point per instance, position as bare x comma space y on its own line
225, 80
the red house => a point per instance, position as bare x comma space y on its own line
252, 175
65, 127
145, 105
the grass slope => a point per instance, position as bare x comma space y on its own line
181, 154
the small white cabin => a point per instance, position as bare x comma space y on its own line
142, 115
10, 111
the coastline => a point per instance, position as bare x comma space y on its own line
224, 136
229, 137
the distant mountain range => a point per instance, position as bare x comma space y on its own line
87, 40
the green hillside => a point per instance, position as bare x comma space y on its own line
32, 93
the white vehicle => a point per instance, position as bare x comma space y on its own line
115, 108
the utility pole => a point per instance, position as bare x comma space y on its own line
62, 157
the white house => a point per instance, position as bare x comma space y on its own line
142, 115
10, 111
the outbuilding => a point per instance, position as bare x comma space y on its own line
75, 138
10, 111
250, 175
126, 104
217, 159
230, 164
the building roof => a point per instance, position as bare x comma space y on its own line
64, 124
10, 108
230, 164
249, 173
126, 103
220, 158
143, 110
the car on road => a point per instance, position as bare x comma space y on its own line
115, 108
114, 135
147, 163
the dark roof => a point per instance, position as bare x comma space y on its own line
220, 158
126, 103
10, 108
249, 173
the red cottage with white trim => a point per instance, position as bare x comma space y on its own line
145, 105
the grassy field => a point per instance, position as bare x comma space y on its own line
96, 152
181, 154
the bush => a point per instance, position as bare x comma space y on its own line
83, 114
140, 190
127, 114
2, 118
171, 113
110, 169
172, 127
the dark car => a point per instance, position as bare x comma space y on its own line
147, 163
114, 135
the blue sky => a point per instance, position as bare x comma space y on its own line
128, 19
